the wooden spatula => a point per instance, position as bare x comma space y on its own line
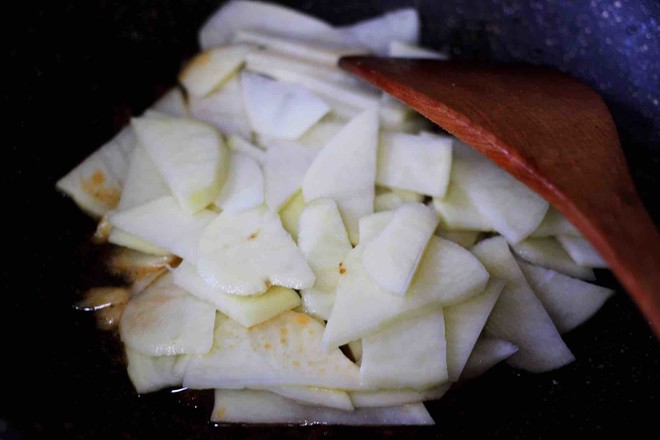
551, 132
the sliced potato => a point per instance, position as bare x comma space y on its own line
244, 187
190, 155
224, 109
554, 223
282, 351
143, 182
290, 214
248, 252
325, 54
519, 316
547, 252
280, 110
223, 24
447, 274
391, 258
172, 103
324, 243
417, 163
464, 323
246, 310
251, 406
285, 168
462, 238
345, 171
377, 33
165, 320
163, 223
96, 183
209, 69
487, 353
153, 373
410, 353
513, 210
381, 398
458, 212
569, 301
325, 397
581, 251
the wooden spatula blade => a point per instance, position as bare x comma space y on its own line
550, 131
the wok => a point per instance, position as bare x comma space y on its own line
79, 70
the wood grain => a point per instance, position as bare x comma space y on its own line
551, 132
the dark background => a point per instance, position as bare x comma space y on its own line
78, 70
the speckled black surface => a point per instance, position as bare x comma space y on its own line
78, 70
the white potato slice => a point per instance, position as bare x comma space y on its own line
285, 168
320, 134
416, 163
447, 274
165, 320
132, 264
464, 323
458, 213
377, 33
554, 223
547, 252
513, 210
96, 183
278, 109
318, 52
389, 199
246, 310
223, 24
210, 68
231, 362
172, 103
372, 225
581, 251
143, 182
282, 351
355, 348
402, 49
569, 301
166, 225
240, 145
224, 109
410, 353
244, 187
269, 63
408, 196
351, 97
251, 406
323, 240
463, 238
248, 252
323, 397
190, 155
392, 257
139, 269
291, 344
290, 214
345, 171
487, 353
518, 315
153, 373
121, 238
381, 398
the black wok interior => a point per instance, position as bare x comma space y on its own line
79, 70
